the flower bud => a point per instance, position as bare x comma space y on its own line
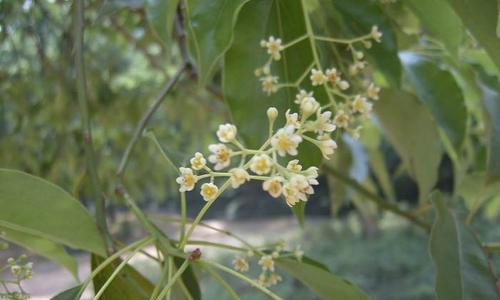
272, 113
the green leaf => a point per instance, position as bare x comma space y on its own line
439, 19
129, 284
321, 281
211, 31
481, 19
410, 128
438, 89
473, 188
69, 294
161, 16
461, 265
189, 279
359, 16
491, 100
34, 206
43, 247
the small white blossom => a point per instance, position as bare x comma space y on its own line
341, 119
312, 174
343, 85
273, 186
269, 84
272, 113
273, 47
221, 156
376, 34
286, 141
356, 133
261, 164
317, 77
209, 191
198, 162
332, 75
327, 146
359, 55
226, 132
187, 180
294, 166
292, 119
372, 91
303, 94
324, 122
309, 106
361, 105
267, 263
238, 177
240, 264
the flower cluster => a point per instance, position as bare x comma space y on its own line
20, 270
350, 96
311, 124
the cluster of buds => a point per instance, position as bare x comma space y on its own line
310, 124
350, 97
268, 276
20, 270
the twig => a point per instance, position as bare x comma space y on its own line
146, 117
376, 199
86, 119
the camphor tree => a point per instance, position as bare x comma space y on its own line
303, 81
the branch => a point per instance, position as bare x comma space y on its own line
376, 199
86, 119
146, 117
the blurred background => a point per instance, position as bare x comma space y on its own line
126, 65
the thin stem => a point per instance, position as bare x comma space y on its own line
342, 41
241, 277
83, 102
163, 276
376, 199
150, 134
147, 116
223, 283
295, 41
174, 278
169, 276
304, 75
183, 216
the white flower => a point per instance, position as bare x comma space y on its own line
221, 156
317, 77
372, 91
302, 95
269, 84
292, 119
273, 186
261, 164
376, 34
353, 70
341, 119
187, 180
226, 132
198, 162
343, 85
326, 145
312, 174
240, 264
294, 166
209, 191
273, 279
308, 106
272, 113
361, 105
359, 55
324, 122
273, 47
301, 184
286, 141
267, 263
332, 75
356, 133
238, 177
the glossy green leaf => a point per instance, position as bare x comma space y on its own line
440, 20
323, 283
359, 16
410, 128
491, 101
37, 207
481, 18
69, 294
211, 31
461, 265
189, 279
129, 284
438, 89
161, 16
43, 247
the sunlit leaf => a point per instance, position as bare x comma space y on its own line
161, 16
34, 206
461, 265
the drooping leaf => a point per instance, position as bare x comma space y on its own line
161, 16
69, 294
438, 89
481, 19
43, 247
211, 31
440, 20
34, 206
129, 284
461, 265
323, 283
410, 128
189, 279
491, 101
359, 16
